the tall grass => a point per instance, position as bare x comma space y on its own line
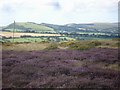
73, 45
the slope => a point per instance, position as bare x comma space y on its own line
29, 27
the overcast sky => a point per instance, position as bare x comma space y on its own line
58, 11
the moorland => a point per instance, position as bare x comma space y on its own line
60, 56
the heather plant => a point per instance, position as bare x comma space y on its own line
91, 68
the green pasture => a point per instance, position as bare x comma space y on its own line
35, 26
27, 39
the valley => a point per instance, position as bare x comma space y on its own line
51, 32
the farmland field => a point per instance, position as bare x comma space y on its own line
10, 34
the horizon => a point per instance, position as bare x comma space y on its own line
59, 12
62, 24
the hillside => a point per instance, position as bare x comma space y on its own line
96, 27
111, 28
29, 27
62, 28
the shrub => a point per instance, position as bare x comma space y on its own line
94, 43
116, 39
52, 47
7, 44
79, 47
65, 44
117, 44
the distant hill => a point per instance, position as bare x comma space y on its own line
111, 28
91, 27
97, 27
62, 28
29, 27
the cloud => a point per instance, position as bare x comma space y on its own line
58, 11
55, 5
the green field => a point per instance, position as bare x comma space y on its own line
27, 40
36, 39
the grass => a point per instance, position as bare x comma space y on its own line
35, 26
95, 33
39, 44
52, 46
23, 26
25, 46
34, 39
87, 44
114, 67
11, 30
27, 40
67, 38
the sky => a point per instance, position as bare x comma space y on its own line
58, 11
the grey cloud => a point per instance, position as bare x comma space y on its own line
55, 5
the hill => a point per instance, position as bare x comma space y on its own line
107, 28
62, 28
29, 27
96, 27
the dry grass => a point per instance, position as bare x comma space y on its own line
25, 46
79, 45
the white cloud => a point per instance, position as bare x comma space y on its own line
58, 11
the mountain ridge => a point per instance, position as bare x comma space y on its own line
67, 28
